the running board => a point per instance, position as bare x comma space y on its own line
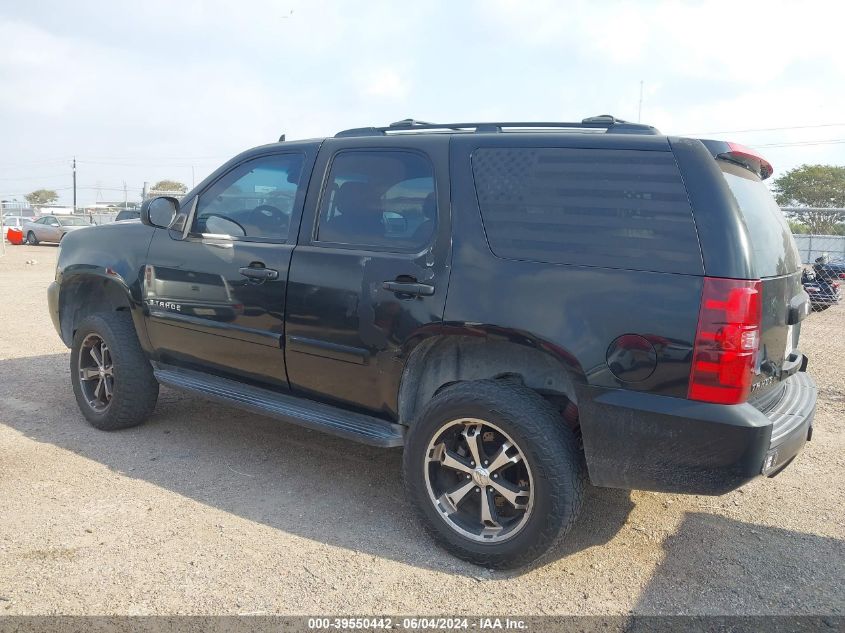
288, 408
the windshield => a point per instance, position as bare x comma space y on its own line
772, 246
74, 222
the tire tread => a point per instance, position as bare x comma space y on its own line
137, 389
560, 463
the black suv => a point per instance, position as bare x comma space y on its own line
520, 305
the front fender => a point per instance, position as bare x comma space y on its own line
100, 264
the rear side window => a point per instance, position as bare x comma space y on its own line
772, 245
610, 208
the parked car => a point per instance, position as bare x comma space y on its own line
25, 212
128, 214
53, 228
14, 222
521, 306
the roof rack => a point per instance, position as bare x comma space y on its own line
610, 124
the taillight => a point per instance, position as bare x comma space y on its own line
726, 341
750, 158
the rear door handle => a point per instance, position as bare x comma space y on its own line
409, 288
254, 272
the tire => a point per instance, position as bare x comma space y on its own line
133, 388
549, 454
31, 239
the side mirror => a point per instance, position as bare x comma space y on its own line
159, 212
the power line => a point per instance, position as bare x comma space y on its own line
35, 163
120, 161
833, 141
32, 177
768, 129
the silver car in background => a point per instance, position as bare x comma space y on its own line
52, 228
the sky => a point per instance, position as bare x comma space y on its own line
153, 89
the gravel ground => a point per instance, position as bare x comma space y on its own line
208, 510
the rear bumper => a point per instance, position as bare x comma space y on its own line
792, 422
642, 441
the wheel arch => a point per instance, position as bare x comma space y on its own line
84, 294
442, 360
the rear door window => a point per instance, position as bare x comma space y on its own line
609, 208
379, 199
772, 245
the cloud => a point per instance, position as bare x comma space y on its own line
191, 83
387, 83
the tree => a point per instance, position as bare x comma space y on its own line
797, 227
818, 192
816, 220
41, 196
170, 185
821, 186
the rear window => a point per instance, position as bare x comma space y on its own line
610, 208
773, 248
74, 221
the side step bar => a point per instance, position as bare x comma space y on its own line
286, 407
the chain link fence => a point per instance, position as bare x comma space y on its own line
813, 246
822, 280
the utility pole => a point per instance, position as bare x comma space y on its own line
74, 184
640, 109
124, 194
193, 178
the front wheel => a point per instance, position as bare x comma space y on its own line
112, 380
31, 239
494, 473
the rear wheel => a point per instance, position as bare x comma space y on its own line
495, 475
112, 380
31, 239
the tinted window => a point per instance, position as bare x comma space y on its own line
127, 214
255, 199
772, 245
381, 199
613, 208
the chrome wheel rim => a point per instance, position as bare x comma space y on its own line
479, 480
96, 372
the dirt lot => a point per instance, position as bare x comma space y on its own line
209, 510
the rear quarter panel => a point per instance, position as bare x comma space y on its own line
573, 312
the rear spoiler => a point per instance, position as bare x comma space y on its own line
741, 155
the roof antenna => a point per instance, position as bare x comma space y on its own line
282, 138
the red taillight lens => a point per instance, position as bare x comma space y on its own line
750, 157
726, 341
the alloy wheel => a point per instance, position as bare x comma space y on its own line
479, 480
96, 372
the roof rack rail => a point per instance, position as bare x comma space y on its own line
610, 124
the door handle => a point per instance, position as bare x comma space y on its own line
261, 274
413, 288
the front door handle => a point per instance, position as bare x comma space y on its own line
413, 288
259, 273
